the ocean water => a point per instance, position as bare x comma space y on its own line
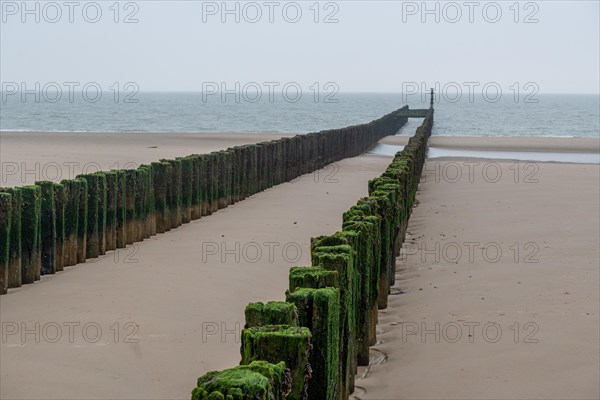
551, 115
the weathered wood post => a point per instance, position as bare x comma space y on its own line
31, 215
196, 194
160, 195
258, 380
121, 230
92, 249
14, 262
141, 187
187, 173
102, 200
60, 200
5, 225
82, 224
319, 311
112, 199
71, 219
48, 227
131, 225
340, 258
276, 343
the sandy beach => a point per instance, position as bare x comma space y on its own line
146, 321
182, 293
497, 288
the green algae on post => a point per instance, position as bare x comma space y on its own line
141, 186
160, 195
82, 224
174, 192
319, 311
71, 217
130, 211
14, 262
112, 198
340, 258
312, 277
31, 261
187, 173
60, 200
271, 313
276, 343
5, 225
93, 238
48, 227
102, 199
121, 209
259, 380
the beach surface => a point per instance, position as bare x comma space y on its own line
496, 293
146, 321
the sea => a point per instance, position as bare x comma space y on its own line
544, 115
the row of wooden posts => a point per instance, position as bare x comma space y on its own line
48, 226
309, 347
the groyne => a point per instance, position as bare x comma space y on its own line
48, 226
322, 332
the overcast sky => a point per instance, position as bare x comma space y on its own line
361, 46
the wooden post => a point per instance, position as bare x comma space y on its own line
92, 249
121, 209
30, 233
48, 227
82, 224
112, 199
276, 343
60, 200
5, 225
14, 262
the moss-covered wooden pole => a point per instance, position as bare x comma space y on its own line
221, 180
151, 201
340, 258
258, 380
187, 173
31, 216
141, 206
203, 185
361, 214
121, 211
48, 227
92, 249
14, 261
5, 225
71, 217
112, 199
160, 195
271, 313
102, 199
319, 311
276, 343
312, 277
196, 195
175, 198
131, 225
213, 181
60, 200
82, 221
149, 221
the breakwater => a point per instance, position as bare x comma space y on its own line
324, 329
49, 226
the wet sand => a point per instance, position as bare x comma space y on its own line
170, 308
496, 294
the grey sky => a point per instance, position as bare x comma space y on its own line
369, 49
